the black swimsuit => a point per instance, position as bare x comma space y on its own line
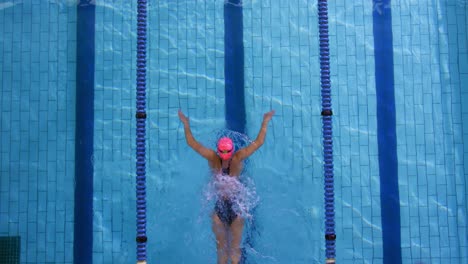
223, 208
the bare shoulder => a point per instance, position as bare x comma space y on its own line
237, 158
245, 152
213, 161
237, 165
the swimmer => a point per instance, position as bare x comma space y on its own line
227, 225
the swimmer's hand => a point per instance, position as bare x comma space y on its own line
267, 116
183, 118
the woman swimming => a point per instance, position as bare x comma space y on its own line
228, 163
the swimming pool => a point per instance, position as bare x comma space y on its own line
38, 45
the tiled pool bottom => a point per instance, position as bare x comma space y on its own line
37, 67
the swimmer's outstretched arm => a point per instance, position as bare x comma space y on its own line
207, 153
247, 151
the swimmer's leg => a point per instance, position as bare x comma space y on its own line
236, 230
219, 229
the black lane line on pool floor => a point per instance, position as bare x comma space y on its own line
386, 132
234, 85
234, 66
84, 137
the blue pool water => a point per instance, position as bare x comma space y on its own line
38, 65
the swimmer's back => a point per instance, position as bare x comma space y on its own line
235, 166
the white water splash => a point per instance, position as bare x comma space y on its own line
242, 194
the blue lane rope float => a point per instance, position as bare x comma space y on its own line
141, 238
327, 113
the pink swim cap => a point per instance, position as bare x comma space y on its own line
225, 148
